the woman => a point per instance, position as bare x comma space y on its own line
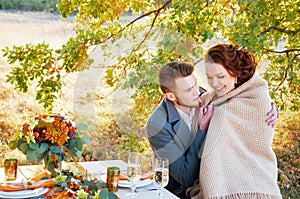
237, 158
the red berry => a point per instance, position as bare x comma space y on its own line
70, 194
36, 134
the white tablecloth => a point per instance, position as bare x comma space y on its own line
99, 168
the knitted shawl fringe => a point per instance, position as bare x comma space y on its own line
247, 196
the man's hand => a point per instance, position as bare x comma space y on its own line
204, 116
272, 116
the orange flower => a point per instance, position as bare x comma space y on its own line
57, 133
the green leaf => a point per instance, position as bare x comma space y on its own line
82, 126
44, 147
31, 155
16, 137
42, 157
78, 153
104, 193
71, 144
60, 157
79, 144
55, 149
50, 165
12, 145
24, 147
85, 140
33, 145
91, 186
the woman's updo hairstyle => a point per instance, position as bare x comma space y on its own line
235, 59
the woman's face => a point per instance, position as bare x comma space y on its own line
219, 79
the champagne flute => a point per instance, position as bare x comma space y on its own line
133, 172
161, 174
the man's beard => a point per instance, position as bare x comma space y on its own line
180, 103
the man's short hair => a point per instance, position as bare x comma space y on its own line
172, 70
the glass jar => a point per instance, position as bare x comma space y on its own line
112, 178
10, 169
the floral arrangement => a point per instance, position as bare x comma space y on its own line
47, 138
82, 186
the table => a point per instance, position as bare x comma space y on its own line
98, 168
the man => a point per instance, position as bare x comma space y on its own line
176, 129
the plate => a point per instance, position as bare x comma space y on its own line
126, 183
24, 193
20, 193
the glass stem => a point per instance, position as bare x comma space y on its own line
132, 186
160, 193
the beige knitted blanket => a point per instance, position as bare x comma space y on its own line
237, 158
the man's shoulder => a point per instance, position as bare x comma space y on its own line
158, 119
159, 114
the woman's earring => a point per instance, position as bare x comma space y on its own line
235, 80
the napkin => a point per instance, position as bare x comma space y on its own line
123, 177
147, 176
17, 186
143, 177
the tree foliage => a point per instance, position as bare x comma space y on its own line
178, 30
29, 5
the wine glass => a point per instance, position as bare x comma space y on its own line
133, 172
161, 174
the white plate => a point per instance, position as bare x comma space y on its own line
126, 183
24, 193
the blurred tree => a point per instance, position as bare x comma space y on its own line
159, 32
29, 5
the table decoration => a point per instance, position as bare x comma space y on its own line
47, 138
82, 185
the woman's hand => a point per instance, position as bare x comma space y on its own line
204, 116
272, 115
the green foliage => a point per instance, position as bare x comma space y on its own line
36, 62
178, 30
30, 5
129, 139
287, 148
82, 185
258, 26
131, 143
106, 194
